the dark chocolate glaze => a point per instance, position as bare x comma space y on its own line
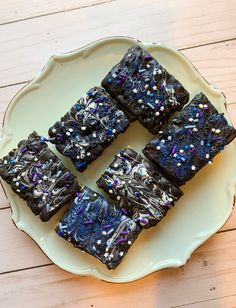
190, 141
37, 175
89, 127
142, 191
144, 88
19, 158
99, 228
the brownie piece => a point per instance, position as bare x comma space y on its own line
141, 190
99, 228
37, 175
17, 159
191, 140
144, 88
89, 127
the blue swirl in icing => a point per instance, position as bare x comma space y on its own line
97, 227
191, 140
90, 126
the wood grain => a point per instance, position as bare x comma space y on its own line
6, 95
13, 240
222, 302
33, 31
25, 46
16, 10
231, 222
221, 71
3, 200
217, 63
211, 274
232, 112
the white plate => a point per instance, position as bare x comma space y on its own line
207, 200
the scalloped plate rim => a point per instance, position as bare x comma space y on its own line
6, 133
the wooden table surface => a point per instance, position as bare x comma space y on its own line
30, 32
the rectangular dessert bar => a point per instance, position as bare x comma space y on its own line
17, 159
37, 175
99, 228
90, 126
144, 88
143, 192
190, 141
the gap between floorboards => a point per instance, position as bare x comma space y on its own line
26, 268
207, 44
180, 49
97, 4
57, 12
204, 301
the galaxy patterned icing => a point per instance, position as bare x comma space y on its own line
23, 155
37, 175
190, 141
143, 192
144, 88
89, 127
99, 228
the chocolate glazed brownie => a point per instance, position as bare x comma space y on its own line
144, 88
89, 127
98, 227
37, 175
142, 192
190, 141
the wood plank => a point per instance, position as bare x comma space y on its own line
232, 112
223, 302
6, 95
15, 10
3, 200
210, 274
220, 71
14, 241
231, 222
26, 45
208, 280
217, 63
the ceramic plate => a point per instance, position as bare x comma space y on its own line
207, 200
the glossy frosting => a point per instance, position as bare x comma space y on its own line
142, 191
38, 176
17, 159
191, 140
144, 88
90, 126
99, 228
